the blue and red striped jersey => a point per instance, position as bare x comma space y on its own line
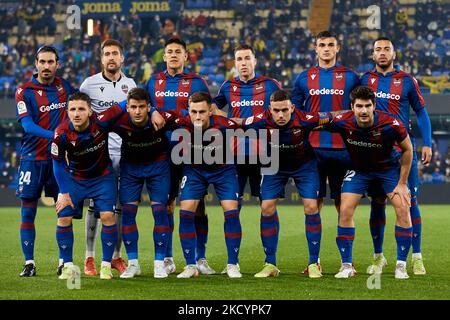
396, 92
140, 145
46, 106
324, 90
172, 93
371, 149
214, 145
246, 99
87, 151
293, 147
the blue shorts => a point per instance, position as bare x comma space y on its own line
306, 180
363, 182
156, 176
332, 165
252, 173
35, 176
101, 189
176, 173
195, 182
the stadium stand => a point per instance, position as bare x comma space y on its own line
278, 30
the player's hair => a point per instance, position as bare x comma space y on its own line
384, 38
77, 96
325, 34
138, 94
177, 41
47, 49
200, 97
279, 95
244, 46
362, 93
111, 42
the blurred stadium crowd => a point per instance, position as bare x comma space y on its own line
276, 29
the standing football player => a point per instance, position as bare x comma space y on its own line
326, 87
170, 90
106, 89
41, 107
396, 92
246, 95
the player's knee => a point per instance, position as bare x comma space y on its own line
403, 216
310, 207
107, 218
268, 208
64, 221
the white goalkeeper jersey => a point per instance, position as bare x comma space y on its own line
104, 93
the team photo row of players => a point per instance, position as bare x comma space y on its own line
338, 129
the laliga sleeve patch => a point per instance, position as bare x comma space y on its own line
54, 149
21, 107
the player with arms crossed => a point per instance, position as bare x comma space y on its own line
83, 170
370, 137
297, 161
41, 107
169, 90
396, 92
196, 179
106, 89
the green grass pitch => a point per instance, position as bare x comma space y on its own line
292, 258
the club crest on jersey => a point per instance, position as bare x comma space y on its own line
102, 88
397, 82
185, 82
395, 123
339, 76
234, 88
297, 131
19, 90
125, 88
313, 76
160, 81
376, 133
96, 133
259, 86
59, 88
40, 92
372, 80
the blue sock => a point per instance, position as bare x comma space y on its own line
377, 224
109, 239
403, 237
344, 241
170, 234
201, 228
130, 233
313, 228
160, 230
270, 228
27, 230
188, 236
233, 235
416, 225
64, 238
240, 204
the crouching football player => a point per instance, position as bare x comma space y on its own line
370, 137
87, 174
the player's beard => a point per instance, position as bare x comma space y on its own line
386, 64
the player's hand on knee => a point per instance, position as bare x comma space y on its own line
63, 201
403, 192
